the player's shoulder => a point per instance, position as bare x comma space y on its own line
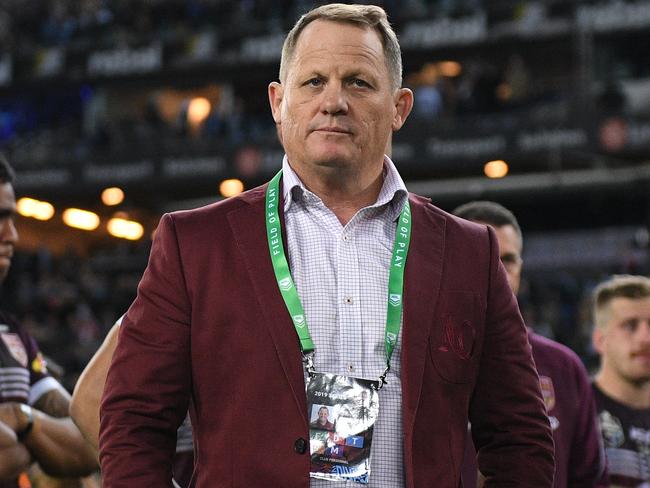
558, 353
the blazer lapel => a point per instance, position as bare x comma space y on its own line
422, 279
249, 231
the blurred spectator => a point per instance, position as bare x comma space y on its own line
516, 82
428, 101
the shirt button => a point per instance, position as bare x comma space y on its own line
349, 300
300, 446
346, 237
350, 367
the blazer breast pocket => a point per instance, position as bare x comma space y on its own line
456, 336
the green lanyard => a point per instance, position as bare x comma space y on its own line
288, 288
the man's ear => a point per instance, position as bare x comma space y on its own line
276, 92
598, 339
403, 107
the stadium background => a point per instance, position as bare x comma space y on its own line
165, 99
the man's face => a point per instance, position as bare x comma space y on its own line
8, 234
337, 107
323, 415
624, 340
510, 246
510, 254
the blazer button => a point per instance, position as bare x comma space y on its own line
300, 446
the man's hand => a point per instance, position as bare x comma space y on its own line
12, 416
7, 436
54, 441
13, 461
14, 457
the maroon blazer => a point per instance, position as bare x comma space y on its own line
209, 330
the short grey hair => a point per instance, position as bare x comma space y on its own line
487, 212
632, 287
360, 15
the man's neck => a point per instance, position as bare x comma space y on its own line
634, 395
344, 193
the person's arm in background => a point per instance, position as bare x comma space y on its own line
53, 441
87, 396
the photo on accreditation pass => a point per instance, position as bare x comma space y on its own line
342, 412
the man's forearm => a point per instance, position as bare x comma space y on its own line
13, 460
84, 407
59, 448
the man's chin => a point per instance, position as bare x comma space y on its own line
334, 160
639, 379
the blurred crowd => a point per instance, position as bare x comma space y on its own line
77, 124
25, 25
69, 302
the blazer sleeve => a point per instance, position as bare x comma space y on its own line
148, 384
510, 427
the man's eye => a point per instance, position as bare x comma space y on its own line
315, 82
360, 83
630, 325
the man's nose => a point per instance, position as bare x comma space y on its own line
8, 232
334, 101
643, 331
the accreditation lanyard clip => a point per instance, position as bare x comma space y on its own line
308, 361
382, 379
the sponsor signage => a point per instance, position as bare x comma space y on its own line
614, 15
192, 167
262, 49
46, 178
122, 173
125, 61
444, 32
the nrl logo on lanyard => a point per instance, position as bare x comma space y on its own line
395, 299
285, 284
299, 320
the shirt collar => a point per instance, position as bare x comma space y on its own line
393, 190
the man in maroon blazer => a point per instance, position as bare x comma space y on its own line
209, 329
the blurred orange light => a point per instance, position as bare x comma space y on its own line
125, 229
231, 187
496, 169
112, 196
80, 219
451, 69
36, 209
198, 110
